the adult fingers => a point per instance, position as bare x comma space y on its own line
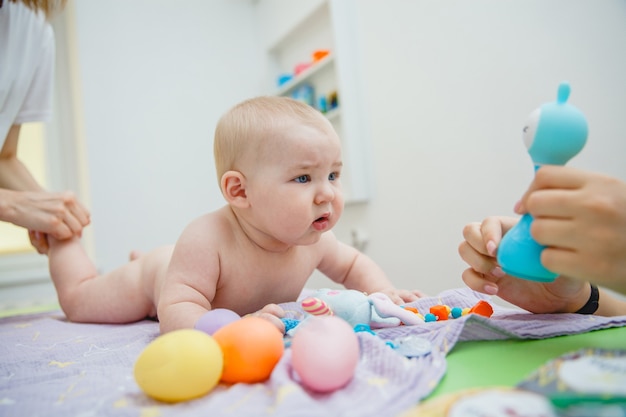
78, 210
66, 216
555, 232
569, 263
76, 215
479, 282
480, 262
59, 229
473, 236
552, 177
72, 223
486, 236
555, 203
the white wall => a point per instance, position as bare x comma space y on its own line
156, 76
448, 85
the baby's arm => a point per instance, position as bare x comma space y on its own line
355, 270
191, 282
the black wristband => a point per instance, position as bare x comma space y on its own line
592, 303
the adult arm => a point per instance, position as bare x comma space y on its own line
25, 203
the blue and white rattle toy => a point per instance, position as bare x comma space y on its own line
554, 134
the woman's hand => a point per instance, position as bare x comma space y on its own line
60, 215
581, 217
479, 250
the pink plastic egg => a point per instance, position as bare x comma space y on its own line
325, 353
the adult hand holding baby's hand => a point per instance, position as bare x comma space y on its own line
60, 215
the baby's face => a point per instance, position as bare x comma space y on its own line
295, 188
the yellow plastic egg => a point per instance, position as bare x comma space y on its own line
179, 366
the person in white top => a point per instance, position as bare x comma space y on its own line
27, 55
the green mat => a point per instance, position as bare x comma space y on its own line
480, 364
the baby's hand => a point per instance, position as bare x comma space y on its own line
272, 313
39, 240
402, 296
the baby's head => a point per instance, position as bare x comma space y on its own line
251, 128
282, 158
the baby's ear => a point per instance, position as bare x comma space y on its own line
234, 188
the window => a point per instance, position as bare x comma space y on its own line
32, 153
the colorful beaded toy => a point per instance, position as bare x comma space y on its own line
444, 312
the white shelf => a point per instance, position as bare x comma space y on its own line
291, 29
294, 33
305, 75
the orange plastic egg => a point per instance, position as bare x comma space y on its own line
252, 347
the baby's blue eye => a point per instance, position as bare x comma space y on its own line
333, 176
302, 179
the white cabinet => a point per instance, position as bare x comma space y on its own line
293, 34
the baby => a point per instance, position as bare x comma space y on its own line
279, 165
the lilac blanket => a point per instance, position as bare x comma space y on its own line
49, 367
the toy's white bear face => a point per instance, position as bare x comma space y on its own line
556, 131
530, 129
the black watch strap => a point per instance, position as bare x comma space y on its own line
592, 303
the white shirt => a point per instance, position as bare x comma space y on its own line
26, 66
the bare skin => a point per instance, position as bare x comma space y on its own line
25, 203
581, 217
250, 255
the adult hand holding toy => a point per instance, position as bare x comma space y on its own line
572, 233
554, 134
581, 217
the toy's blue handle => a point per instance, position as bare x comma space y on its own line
520, 255
556, 132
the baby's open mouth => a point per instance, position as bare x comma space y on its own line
321, 223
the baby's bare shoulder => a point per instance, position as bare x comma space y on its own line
208, 230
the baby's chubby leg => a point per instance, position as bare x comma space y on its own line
123, 295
